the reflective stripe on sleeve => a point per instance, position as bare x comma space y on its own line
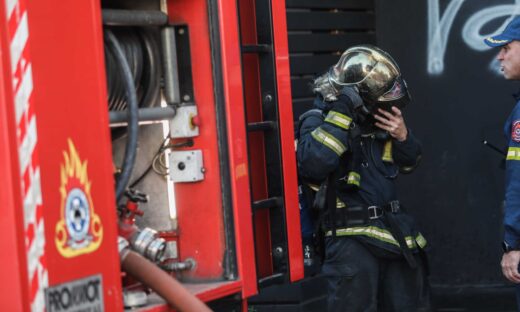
513, 153
380, 234
353, 178
338, 119
328, 140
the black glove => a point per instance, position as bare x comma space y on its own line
348, 101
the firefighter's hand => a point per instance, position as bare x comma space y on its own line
509, 265
392, 122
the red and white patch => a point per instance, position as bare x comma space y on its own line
27, 139
515, 131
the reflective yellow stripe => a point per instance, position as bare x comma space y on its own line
338, 119
387, 152
421, 241
328, 140
513, 153
380, 234
353, 178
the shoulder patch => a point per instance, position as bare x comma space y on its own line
515, 131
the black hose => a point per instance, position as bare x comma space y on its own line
133, 126
151, 80
141, 50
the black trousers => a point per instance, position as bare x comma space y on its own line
357, 280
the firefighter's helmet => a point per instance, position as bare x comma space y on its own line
374, 73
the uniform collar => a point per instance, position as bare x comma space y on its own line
320, 103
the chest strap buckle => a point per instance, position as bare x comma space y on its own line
374, 212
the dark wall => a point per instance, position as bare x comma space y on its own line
456, 193
319, 31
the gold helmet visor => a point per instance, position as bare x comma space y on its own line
373, 72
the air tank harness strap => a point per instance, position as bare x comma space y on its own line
396, 231
356, 155
399, 237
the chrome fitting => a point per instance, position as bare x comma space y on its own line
156, 249
148, 243
186, 265
122, 247
142, 240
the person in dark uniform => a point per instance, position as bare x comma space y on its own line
350, 154
509, 56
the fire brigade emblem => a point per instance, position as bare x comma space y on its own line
515, 132
79, 230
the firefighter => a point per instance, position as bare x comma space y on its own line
509, 57
350, 154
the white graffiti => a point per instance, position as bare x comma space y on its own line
439, 30
471, 31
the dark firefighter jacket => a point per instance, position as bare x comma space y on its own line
512, 203
324, 146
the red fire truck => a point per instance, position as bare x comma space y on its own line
144, 143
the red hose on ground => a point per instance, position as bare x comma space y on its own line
161, 282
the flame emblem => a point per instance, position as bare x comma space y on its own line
79, 230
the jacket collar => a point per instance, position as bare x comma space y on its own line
319, 103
